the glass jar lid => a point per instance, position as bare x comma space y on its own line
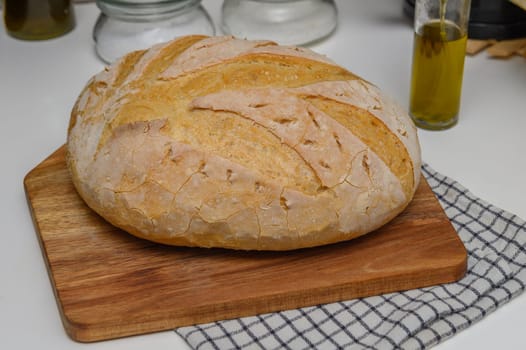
128, 25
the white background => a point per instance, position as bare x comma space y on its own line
39, 82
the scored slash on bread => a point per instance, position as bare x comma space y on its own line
222, 142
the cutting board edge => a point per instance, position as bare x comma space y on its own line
71, 330
88, 333
202, 314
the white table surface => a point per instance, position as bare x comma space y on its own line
39, 82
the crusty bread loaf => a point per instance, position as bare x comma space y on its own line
221, 142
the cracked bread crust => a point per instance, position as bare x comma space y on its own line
221, 142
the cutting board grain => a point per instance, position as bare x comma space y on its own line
109, 284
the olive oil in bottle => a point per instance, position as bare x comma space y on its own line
38, 19
437, 71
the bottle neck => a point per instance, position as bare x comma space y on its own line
145, 10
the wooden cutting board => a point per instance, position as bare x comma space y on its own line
110, 284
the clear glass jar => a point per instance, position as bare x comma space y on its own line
127, 25
288, 22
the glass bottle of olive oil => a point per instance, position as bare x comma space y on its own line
38, 19
437, 71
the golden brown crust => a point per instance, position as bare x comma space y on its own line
220, 142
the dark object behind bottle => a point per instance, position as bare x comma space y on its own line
490, 19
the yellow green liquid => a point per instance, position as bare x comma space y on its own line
38, 19
436, 81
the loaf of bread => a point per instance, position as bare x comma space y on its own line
222, 142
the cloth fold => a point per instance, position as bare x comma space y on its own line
414, 319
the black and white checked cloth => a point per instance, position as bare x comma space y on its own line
415, 319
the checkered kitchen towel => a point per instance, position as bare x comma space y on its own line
415, 319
